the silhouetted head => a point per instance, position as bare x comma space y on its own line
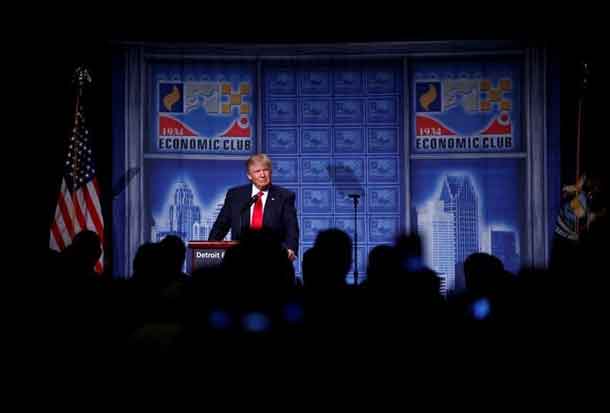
85, 250
382, 265
409, 251
483, 273
328, 262
146, 262
259, 262
173, 252
337, 242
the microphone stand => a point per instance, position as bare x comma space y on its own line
241, 213
355, 198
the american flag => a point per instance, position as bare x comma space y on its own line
78, 204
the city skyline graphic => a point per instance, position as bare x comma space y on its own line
185, 216
452, 227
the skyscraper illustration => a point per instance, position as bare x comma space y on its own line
504, 246
436, 227
461, 200
183, 214
208, 223
183, 217
450, 228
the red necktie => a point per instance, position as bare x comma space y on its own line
257, 215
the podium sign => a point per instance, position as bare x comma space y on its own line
204, 254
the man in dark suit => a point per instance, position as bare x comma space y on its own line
259, 205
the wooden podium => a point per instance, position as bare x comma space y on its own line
203, 254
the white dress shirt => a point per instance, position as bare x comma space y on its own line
255, 191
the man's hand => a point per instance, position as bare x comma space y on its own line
291, 255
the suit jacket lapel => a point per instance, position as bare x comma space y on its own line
245, 214
269, 207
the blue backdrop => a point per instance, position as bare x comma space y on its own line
336, 127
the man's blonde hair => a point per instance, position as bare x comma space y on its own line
258, 158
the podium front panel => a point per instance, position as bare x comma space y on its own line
206, 254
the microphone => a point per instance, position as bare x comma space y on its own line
250, 202
355, 198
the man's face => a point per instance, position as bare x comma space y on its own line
260, 175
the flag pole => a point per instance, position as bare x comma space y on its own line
579, 131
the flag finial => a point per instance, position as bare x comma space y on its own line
82, 76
